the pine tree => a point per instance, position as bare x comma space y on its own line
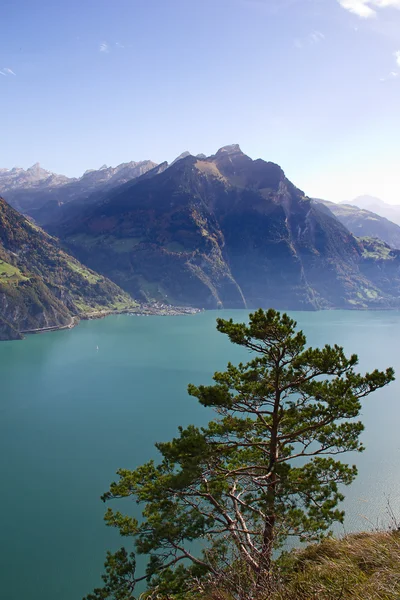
266, 468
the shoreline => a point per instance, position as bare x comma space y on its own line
74, 321
144, 310
163, 310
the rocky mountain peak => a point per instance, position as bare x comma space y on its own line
36, 173
230, 149
34, 168
181, 156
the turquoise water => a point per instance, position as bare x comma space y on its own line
71, 415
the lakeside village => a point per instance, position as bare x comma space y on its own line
158, 308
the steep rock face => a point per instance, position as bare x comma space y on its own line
42, 194
364, 223
40, 285
222, 231
281, 246
7, 331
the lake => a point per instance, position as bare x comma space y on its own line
72, 414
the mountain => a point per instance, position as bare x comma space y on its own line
381, 208
41, 286
183, 155
363, 223
227, 231
41, 194
18, 178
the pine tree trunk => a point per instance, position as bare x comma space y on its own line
264, 573
268, 537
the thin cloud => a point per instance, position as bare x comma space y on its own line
118, 45
315, 37
7, 72
392, 75
104, 47
367, 9
311, 39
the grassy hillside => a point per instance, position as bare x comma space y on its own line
42, 286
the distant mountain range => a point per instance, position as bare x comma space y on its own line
363, 222
375, 205
223, 231
41, 194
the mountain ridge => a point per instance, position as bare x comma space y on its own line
364, 223
37, 193
224, 231
378, 206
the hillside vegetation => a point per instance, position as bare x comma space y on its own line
41, 286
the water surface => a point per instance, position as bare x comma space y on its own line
72, 414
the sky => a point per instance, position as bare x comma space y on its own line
313, 85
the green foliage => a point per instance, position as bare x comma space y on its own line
9, 273
376, 249
266, 468
119, 579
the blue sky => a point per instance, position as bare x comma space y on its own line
313, 85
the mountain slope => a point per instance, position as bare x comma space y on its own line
40, 285
378, 206
363, 223
40, 194
224, 231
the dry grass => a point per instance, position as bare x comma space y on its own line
209, 169
363, 566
